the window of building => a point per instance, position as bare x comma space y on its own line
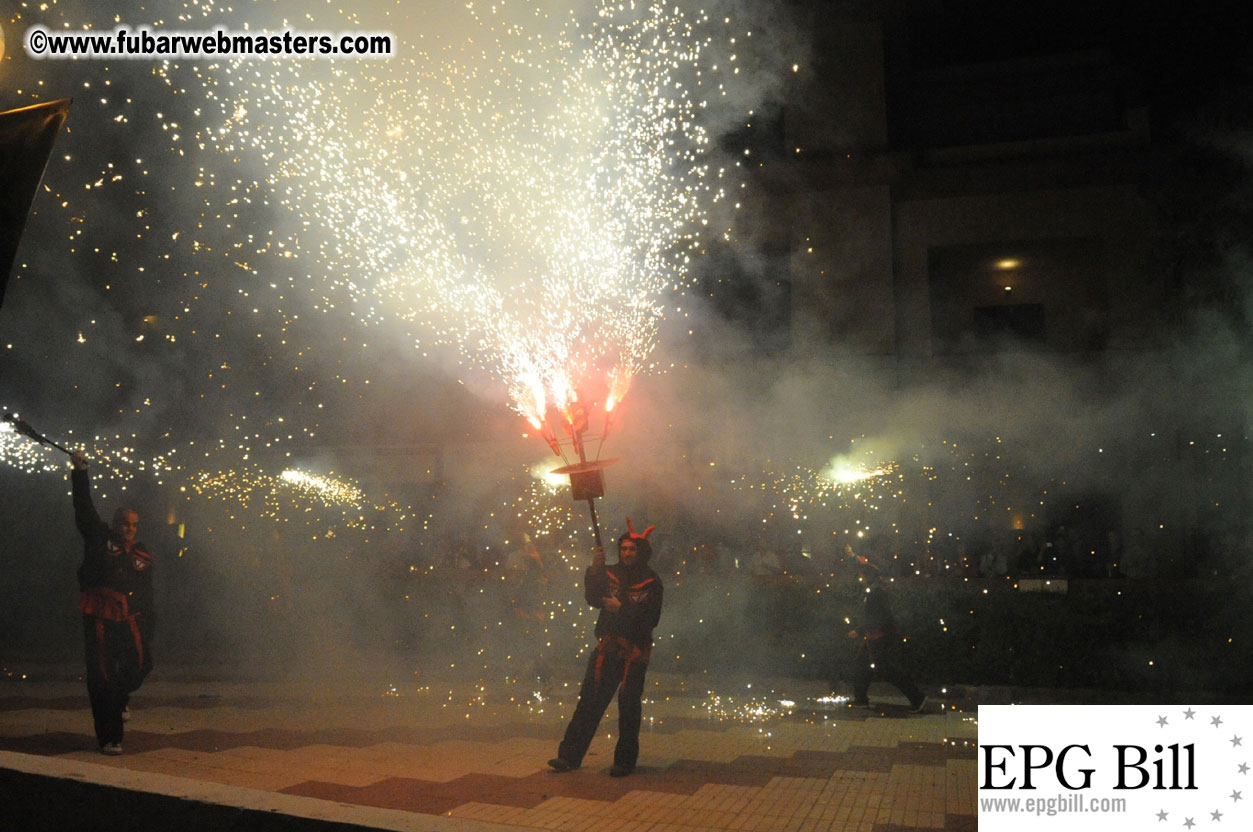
1018, 295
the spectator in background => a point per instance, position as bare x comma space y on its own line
879, 647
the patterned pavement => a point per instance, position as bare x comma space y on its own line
716, 755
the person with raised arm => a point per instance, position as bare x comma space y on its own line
116, 601
628, 595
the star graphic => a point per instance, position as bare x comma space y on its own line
1161, 816
1244, 768
1188, 823
1235, 795
1216, 815
1216, 721
1188, 714
1235, 741
1161, 722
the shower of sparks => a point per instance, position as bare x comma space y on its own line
751, 710
526, 193
111, 456
836, 700
543, 473
20, 452
526, 196
846, 472
295, 492
330, 490
924, 503
812, 498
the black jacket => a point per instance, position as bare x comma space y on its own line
107, 563
877, 620
639, 589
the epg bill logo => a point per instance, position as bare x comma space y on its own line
1121, 767
1132, 772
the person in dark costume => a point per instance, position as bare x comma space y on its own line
880, 651
628, 595
116, 600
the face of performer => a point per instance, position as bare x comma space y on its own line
126, 524
627, 553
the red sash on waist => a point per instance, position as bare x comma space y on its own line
103, 602
106, 604
623, 649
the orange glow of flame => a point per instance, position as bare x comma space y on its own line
619, 383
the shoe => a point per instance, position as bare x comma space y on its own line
557, 764
126, 714
113, 749
917, 709
620, 771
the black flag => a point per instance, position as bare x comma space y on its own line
26, 138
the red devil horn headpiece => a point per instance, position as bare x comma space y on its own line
637, 535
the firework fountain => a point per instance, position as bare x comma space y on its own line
520, 190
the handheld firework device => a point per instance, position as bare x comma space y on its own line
19, 426
587, 481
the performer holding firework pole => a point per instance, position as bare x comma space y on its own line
627, 593
116, 601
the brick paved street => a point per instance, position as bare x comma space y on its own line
453, 755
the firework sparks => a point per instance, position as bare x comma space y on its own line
843, 471
524, 191
524, 198
329, 489
747, 710
542, 472
298, 492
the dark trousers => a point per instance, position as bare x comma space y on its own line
882, 658
594, 697
117, 662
